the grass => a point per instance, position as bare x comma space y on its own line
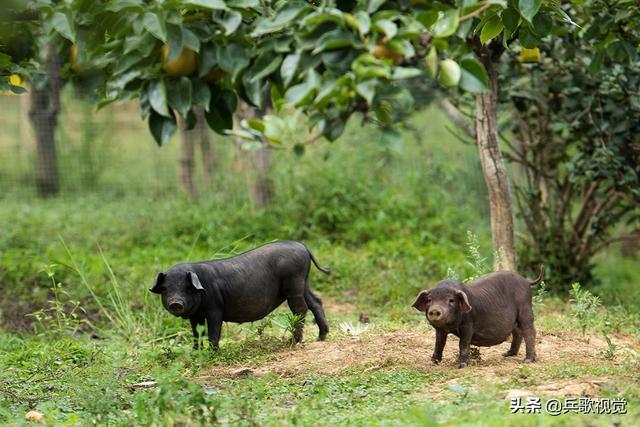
388, 220
62, 377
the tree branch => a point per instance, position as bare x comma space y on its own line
456, 117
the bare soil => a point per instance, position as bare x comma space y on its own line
412, 348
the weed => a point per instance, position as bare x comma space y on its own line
610, 352
540, 296
475, 260
175, 401
354, 329
264, 324
584, 307
63, 314
291, 323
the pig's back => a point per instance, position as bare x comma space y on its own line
495, 299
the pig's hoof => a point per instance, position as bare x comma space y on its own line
509, 353
322, 337
436, 361
529, 360
462, 365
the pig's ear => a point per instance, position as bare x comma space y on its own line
193, 278
157, 286
421, 301
464, 301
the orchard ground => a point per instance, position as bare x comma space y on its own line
82, 340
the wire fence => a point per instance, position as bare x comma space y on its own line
110, 152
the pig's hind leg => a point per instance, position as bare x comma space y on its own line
516, 340
528, 331
294, 291
315, 305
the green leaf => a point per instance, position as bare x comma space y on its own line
542, 24
174, 40
266, 64
284, 16
374, 5
432, 63
231, 22
208, 4
529, 8
367, 89
256, 124
162, 128
206, 60
62, 24
201, 94
158, 97
510, 19
298, 93
446, 24
232, 58
119, 82
527, 38
190, 40
17, 89
389, 28
289, 67
326, 92
334, 129
364, 22
334, 39
400, 73
179, 93
491, 29
155, 25
253, 88
145, 106
596, 63
474, 77
135, 5
243, 4
5, 60
220, 114
301, 92
311, 21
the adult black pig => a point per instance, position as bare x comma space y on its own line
242, 288
483, 313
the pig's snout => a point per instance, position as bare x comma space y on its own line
435, 314
176, 306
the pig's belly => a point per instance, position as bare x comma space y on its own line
487, 341
241, 313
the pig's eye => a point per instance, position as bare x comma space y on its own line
428, 300
451, 300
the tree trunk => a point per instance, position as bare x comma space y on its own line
494, 171
259, 164
45, 106
208, 157
186, 162
262, 188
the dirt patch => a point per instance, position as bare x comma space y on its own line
412, 348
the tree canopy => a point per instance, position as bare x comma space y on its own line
327, 58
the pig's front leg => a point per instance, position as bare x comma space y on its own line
465, 345
195, 321
214, 324
441, 340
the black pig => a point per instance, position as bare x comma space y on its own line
242, 288
483, 313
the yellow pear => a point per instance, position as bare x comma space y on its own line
183, 65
